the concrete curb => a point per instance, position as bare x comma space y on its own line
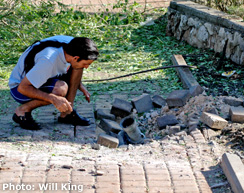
234, 171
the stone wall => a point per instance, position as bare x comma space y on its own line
204, 27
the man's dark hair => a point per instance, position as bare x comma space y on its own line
83, 47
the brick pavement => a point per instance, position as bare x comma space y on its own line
52, 156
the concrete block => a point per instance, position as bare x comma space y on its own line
237, 114
178, 98
110, 126
158, 101
121, 108
232, 101
234, 171
166, 120
108, 141
142, 103
104, 114
185, 74
173, 129
196, 90
213, 121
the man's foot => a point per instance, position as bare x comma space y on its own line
75, 119
26, 121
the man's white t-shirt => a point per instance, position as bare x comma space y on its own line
49, 63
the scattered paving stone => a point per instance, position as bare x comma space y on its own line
213, 121
142, 103
234, 171
213, 111
158, 101
173, 129
104, 114
237, 114
209, 133
181, 133
108, 141
121, 108
166, 120
196, 90
232, 101
95, 146
110, 126
178, 98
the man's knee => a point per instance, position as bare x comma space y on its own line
60, 88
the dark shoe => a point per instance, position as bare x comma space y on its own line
75, 119
26, 122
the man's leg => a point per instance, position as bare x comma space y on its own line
59, 89
74, 83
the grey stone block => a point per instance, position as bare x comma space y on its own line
107, 141
158, 101
185, 74
110, 126
166, 120
213, 121
142, 103
196, 90
121, 108
104, 114
178, 98
237, 114
235, 102
173, 129
234, 171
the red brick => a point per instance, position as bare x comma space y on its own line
133, 184
132, 177
158, 178
115, 185
32, 179
134, 190
187, 189
159, 184
107, 167
58, 179
84, 191
86, 178
114, 178
107, 190
160, 190
34, 173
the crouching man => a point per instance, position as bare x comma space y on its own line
50, 72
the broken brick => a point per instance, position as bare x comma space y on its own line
108, 141
237, 114
121, 108
166, 120
178, 98
142, 103
213, 121
110, 126
158, 101
104, 114
233, 101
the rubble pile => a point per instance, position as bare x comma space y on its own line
212, 115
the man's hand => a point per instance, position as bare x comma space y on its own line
83, 89
62, 104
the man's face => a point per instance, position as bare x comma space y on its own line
80, 64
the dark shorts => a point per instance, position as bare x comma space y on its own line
47, 87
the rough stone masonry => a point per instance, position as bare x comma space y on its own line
204, 27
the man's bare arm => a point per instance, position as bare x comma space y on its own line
27, 89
